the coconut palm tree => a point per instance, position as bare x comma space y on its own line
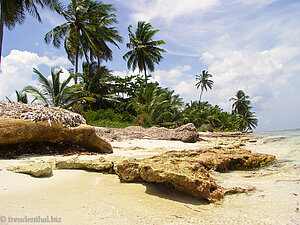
246, 121
99, 83
13, 12
56, 93
87, 30
241, 103
144, 51
204, 82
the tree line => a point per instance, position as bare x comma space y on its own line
88, 33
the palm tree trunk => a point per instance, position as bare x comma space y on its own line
86, 57
76, 65
201, 95
99, 63
1, 29
145, 71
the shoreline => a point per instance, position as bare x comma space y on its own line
96, 198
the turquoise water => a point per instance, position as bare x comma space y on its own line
285, 145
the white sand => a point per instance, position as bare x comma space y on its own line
80, 197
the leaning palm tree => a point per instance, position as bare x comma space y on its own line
87, 30
56, 93
241, 103
13, 12
145, 51
204, 82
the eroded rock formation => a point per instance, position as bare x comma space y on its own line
189, 171
15, 131
185, 133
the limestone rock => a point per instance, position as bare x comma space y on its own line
15, 131
85, 164
189, 171
206, 127
41, 169
185, 133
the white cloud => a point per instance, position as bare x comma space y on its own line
168, 10
16, 69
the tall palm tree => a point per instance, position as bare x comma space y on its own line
56, 93
87, 30
13, 12
204, 82
241, 103
145, 51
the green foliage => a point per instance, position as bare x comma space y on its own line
245, 119
144, 51
109, 118
204, 82
156, 106
21, 97
86, 32
56, 93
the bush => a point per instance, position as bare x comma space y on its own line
109, 118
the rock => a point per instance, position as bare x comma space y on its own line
85, 164
185, 133
41, 169
206, 127
189, 171
15, 131
37, 113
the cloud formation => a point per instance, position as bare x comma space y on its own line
16, 70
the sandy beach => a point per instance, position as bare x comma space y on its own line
83, 197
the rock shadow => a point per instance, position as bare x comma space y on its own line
167, 192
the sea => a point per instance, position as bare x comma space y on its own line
284, 144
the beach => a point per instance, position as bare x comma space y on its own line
84, 197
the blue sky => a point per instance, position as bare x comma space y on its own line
249, 45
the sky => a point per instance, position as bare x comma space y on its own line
246, 45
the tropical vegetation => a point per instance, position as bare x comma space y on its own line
55, 92
204, 82
144, 51
13, 12
109, 100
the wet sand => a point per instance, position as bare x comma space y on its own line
81, 197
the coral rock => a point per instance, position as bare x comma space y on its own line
85, 164
189, 171
41, 169
15, 131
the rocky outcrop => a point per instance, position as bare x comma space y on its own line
99, 164
36, 169
185, 133
15, 131
206, 128
189, 171
45, 169
37, 113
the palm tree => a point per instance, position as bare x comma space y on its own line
99, 84
56, 93
246, 121
241, 103
145, 51
13, 12
148, 104
87, 30
204, 82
